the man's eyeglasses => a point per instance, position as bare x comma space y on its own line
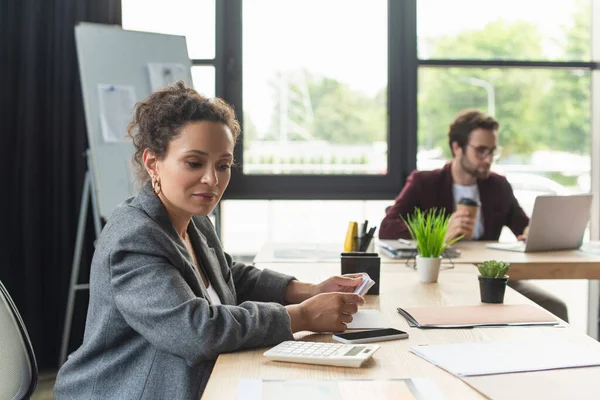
483, 152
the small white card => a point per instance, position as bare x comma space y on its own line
367, 319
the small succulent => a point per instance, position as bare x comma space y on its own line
493, 269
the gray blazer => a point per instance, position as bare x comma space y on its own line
151, 331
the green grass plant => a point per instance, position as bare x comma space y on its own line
428, 229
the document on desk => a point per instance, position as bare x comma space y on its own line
402, 249
592, 248
479, 315
489, 358
367, 319
393, 389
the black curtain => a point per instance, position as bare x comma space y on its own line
41, 160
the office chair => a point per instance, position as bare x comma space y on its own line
18, 368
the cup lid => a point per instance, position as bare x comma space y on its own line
465, 201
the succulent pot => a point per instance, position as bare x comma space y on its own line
492, 289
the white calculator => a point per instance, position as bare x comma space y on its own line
341, 355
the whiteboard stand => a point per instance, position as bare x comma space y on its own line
89, 191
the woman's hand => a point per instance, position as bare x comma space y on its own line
297, 291
325, 312
344, 283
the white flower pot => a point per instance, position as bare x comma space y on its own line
428, 268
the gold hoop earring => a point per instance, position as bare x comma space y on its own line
156, 185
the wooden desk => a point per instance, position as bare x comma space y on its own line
399, 287
570, 264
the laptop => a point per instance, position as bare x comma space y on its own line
557, 223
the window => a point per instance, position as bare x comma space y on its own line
204, 80
544, 112
504, 30
194, 19
544, 118
317, 81
249, 224
528, 63
315, 97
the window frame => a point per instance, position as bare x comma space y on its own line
594, 285
402, 125
403, 66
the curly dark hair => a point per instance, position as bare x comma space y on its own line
159, 119
466, 122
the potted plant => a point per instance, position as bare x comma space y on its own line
492, 281
428, 230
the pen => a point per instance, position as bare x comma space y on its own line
367, 239
360, 235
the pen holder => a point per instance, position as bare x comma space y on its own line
357, 262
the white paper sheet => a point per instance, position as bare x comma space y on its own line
116, 110
164, 74
368, 319
363, 389
488, 358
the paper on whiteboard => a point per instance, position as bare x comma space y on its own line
116, 110
164, 74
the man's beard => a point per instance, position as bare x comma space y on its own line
474, 172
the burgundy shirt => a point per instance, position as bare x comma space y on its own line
429, 189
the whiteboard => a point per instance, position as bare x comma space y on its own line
110, 55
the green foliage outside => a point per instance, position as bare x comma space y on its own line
428, 229
340, 115
493, 269
537, 109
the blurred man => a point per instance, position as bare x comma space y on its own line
473, 142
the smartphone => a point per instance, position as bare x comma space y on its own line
376, 335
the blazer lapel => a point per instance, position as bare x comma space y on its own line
206, 255
183, 260
211, 264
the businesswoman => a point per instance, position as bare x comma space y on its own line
165, 300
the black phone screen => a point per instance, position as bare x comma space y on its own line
370, 334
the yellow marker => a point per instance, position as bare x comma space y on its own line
351, 233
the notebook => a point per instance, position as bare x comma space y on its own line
401, 249
479, 315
